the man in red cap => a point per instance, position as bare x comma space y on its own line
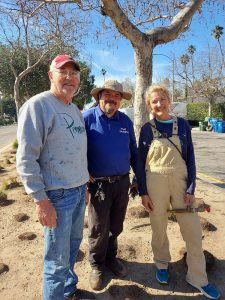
52, 162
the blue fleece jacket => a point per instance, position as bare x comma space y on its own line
111, 143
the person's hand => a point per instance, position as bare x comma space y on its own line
147, 203
46, 213
188, 199
91, 179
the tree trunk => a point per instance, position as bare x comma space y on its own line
18, 79
143, 64
17, 95
210, 109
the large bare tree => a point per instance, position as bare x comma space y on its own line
145, 24
177, 18
210, 78
40, 30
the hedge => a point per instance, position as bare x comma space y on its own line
199, 111
6, 122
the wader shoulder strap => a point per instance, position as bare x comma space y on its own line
175, 126
157, 133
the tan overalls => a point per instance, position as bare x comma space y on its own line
166, 175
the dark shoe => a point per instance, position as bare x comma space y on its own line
162, 276
80, 295
95, 279
117, 267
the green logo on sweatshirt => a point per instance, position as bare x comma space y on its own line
70, 125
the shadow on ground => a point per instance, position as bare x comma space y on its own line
141, 278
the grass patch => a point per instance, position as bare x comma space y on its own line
3, 196
10, 183
15, 144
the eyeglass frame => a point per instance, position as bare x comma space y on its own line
65, 73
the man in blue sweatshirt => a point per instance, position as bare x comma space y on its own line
111, 150
52, 162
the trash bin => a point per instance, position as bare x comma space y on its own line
214, 121
221, 127
202, 126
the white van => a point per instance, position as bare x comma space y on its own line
129, 111
179, 109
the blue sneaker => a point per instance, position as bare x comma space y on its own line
162, 276
210, 291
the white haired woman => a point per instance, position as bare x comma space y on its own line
166, 177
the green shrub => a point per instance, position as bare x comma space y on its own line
218, 111
15, 144
10, 183
199, 111
3, 196
6, 122
5, 185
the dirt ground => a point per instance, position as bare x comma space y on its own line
21, 260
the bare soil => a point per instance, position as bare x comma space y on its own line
21, 248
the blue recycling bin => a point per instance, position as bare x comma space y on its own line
221, 126
214, 122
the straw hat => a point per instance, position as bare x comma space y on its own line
112, 85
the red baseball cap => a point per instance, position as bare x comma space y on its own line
61, 60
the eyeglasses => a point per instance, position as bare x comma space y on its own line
64, 73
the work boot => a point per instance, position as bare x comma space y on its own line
95, 279
117, 267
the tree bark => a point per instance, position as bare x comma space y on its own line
17, 95
143, 64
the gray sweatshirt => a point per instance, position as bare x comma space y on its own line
52, 151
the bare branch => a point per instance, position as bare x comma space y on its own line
31, 67
153, 19
179, 24
36, 10
60, 1
125, 27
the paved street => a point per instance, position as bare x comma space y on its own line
210, 156
7, 135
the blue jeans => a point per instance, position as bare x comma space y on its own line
62, 243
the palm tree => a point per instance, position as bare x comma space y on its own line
184, 59
191, 50
217, 32
103, 71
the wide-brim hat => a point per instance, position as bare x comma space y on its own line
112, 85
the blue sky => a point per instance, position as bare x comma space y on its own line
118, 60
